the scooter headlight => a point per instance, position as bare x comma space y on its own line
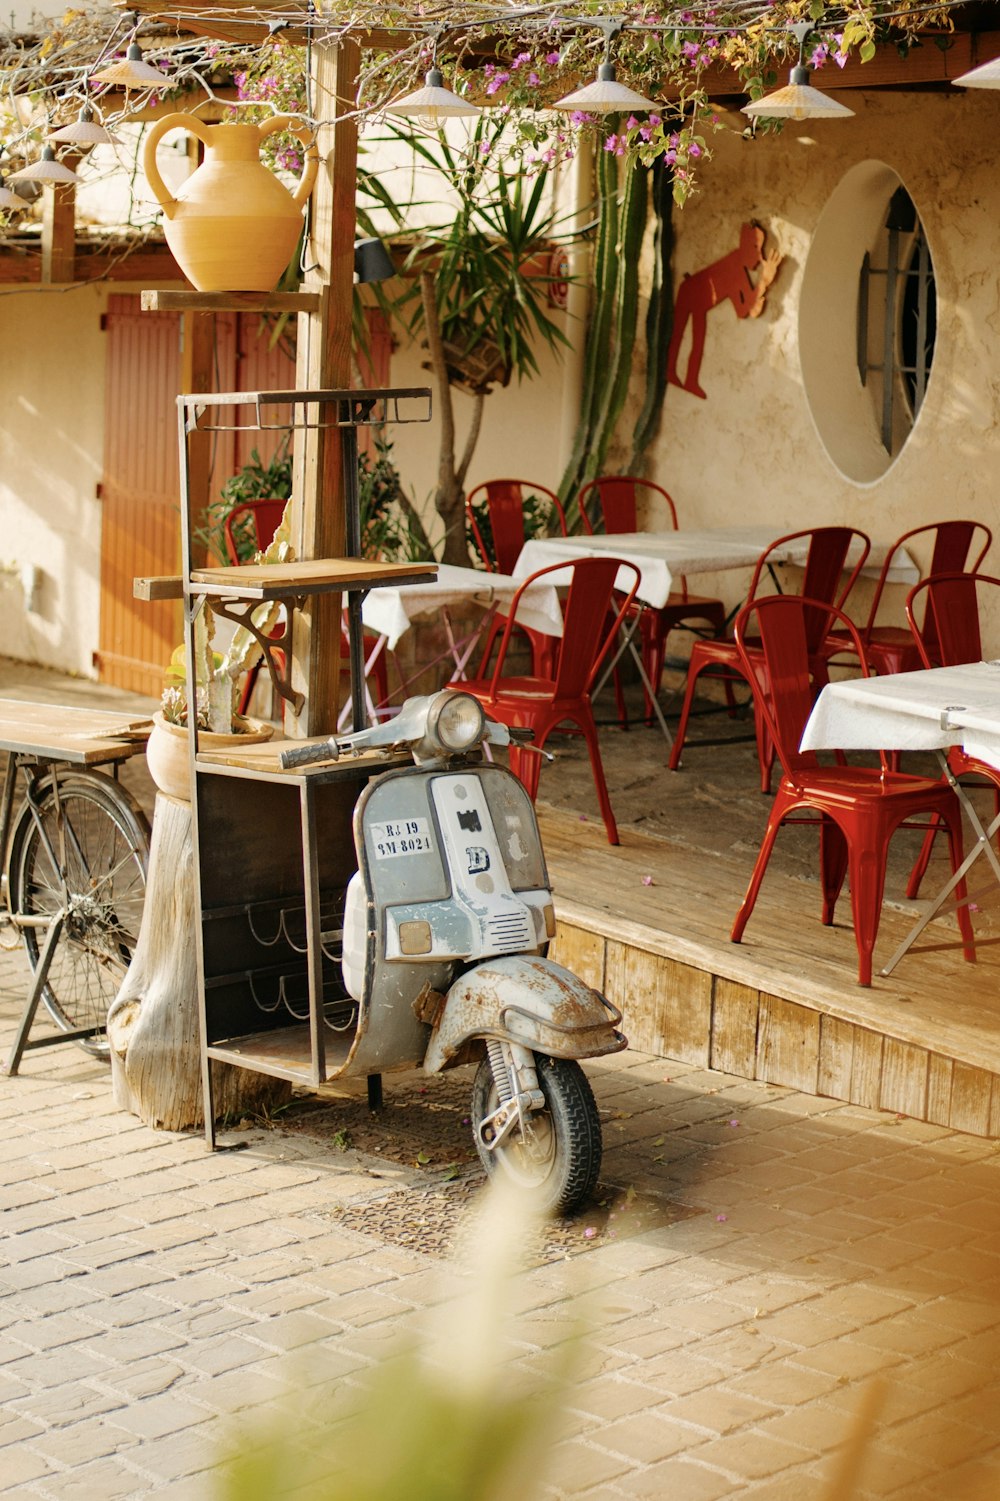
456, 721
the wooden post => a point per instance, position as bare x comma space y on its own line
197, 374
324, 362
59, 233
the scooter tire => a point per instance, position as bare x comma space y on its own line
559, 1168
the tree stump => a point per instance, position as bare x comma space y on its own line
153, 1028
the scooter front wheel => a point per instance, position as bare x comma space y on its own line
557, 1157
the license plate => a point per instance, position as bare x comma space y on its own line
403, 836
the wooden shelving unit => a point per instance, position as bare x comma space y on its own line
273, 849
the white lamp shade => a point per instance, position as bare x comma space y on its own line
605, 96
46, 169
986, 76
131, 71
796, 101
10, 200
83, 131
433, 102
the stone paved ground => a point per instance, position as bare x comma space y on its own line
763, 1264
760, 1268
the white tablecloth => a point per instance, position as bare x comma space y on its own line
927, 710
389, 612
664, 556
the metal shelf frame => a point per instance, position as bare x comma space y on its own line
228, 853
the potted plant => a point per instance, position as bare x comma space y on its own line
211, 704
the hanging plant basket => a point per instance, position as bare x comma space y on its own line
477, 369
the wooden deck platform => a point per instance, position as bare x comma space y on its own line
648, 923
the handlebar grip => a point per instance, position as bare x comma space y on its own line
304, 755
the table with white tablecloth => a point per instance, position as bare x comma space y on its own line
932, 709
663, 557
389, 612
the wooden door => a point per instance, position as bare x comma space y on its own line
140, 533
140, 490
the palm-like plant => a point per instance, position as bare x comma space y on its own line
478, 299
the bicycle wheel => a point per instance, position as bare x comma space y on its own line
100, 833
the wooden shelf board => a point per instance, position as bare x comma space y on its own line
317, 576
263, 760
158, 587
283, 1052
164, 300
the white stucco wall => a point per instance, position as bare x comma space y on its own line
51, 441
751, 450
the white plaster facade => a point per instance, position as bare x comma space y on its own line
751, 450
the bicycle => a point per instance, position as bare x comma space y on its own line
76, 852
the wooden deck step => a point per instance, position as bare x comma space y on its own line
648, 922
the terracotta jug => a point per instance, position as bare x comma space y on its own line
233, 226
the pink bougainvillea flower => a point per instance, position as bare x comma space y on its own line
552, 58
721, 1218
589, 1233
647, 880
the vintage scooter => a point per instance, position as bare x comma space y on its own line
449, 915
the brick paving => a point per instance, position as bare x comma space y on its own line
762, 1267
768, 1257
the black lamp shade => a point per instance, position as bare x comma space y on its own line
372, 261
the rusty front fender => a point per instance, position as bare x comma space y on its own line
525, 999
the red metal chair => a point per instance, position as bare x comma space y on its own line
543, 703
891, 648
258, 520
505, 502
618, 497
944, 614
822, 579
857, 808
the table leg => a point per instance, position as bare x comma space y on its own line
628, 644
982, 846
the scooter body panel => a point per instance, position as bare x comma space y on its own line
450, 870
527, 1000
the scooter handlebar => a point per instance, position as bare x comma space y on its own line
304, 755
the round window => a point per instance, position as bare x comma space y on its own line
867, 321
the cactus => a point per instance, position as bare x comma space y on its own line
218, 674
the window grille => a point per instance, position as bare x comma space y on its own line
897, 321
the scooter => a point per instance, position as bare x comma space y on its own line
446, 925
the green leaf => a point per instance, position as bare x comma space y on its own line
868, 51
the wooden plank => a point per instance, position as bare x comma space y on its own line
995, 1107
58, 232
939, 1076
668, 1007
866, 1069
168, 300
164, 587
904, 1078
306, 577
787, 1044
323, 359
734, 1027
615, 955
581, 951
971, 1099
836, 1058
81, 736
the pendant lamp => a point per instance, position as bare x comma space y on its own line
605, 96
9, 199
83, 131
985, 76
433, 102
798, 100
46, 169
131, 71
